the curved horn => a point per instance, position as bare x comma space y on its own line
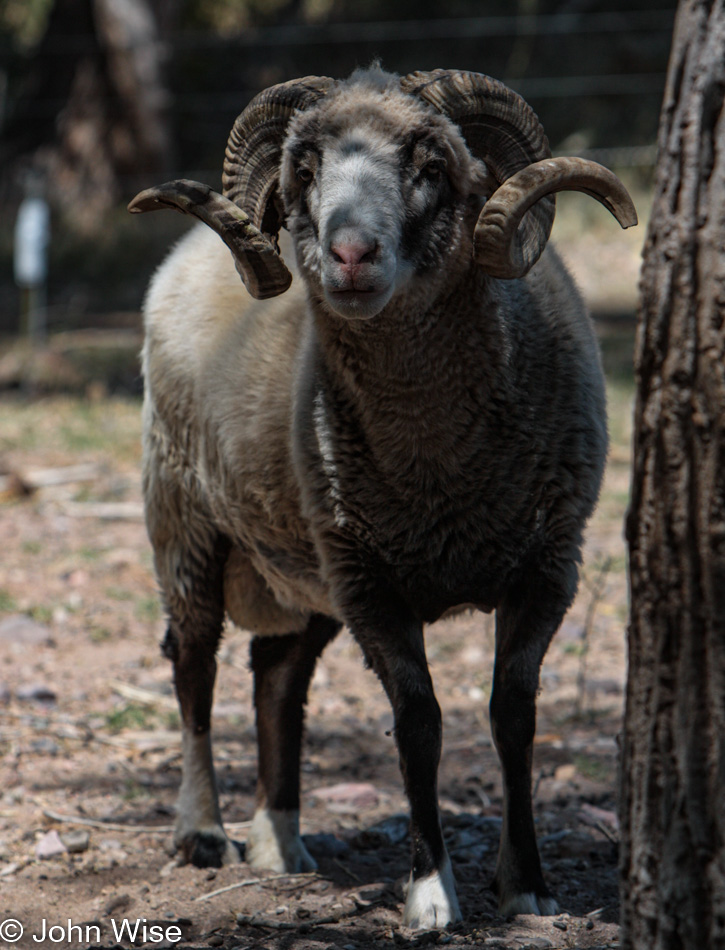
499, 127
251, 170
500, 245
259, 265
254, 147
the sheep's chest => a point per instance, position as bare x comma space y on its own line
439, 539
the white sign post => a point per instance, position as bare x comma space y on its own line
32, 235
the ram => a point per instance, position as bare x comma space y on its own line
417, 427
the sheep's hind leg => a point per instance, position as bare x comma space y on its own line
283, 667
191, 641
525, 623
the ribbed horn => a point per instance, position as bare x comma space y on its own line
246, 213
254, 148
259, 265
499, 245
500, 128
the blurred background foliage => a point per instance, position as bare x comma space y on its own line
105, 97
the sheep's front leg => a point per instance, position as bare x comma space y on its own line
525, 623
282, 666
398, 658
198, 834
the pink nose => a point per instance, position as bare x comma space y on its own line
352, 253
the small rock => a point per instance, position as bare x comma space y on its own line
591, 815
110, 844
538, 943
353, 795
36, 693
216, 940
19, 628
44, 746
559, 924
49, 846
119, 902
369, 895
565, 773
77, 578
391, 831
325, 845
76, 841
610, 687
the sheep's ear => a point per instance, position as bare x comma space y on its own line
260, 266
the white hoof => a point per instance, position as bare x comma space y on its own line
528, 904
432, 900
274, 842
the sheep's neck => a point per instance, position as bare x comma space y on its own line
416, 381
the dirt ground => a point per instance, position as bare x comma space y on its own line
91, 752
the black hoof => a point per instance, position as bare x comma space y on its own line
207, 850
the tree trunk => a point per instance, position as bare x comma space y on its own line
94, 108
673, 760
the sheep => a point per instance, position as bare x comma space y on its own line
417, 427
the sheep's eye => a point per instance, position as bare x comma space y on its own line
304, 174
433, 171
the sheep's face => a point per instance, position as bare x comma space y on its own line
375, 187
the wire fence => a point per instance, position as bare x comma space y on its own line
397, 31
637, 26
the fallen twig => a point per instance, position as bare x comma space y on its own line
139, 695
607, 832
303, 925
141, 829
20, 483
252, 880
105, 510
106, 825
14, 867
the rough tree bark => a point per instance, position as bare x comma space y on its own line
673, 763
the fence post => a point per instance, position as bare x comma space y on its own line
32, 235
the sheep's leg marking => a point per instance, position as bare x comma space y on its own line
400, 662
525, 623
283, 667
